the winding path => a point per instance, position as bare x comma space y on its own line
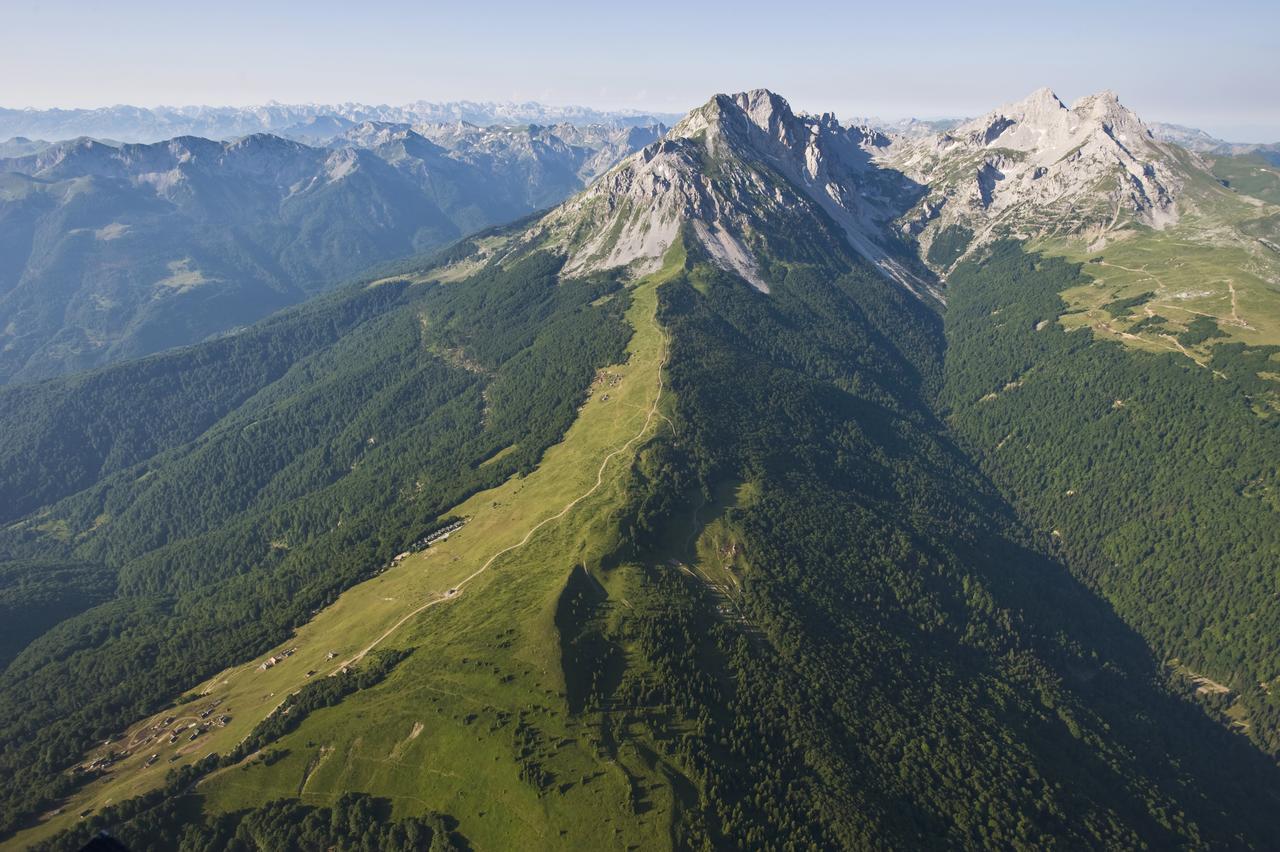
457, 589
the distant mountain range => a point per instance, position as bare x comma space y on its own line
143, 124
316, 123
116, 250
1194, 139
908, 127
111, 252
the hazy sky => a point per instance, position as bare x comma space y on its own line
1211, 65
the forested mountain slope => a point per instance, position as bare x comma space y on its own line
1157, 477
725, 576
1114, 372
82, 428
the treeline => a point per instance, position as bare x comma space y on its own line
219, 546
324, 692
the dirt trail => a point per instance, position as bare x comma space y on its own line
1165, 340
458, 588
1235, 318
1142, 271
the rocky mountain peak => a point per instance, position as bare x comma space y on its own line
757, 118
372, 134
1037, 163
768, 111
1041, 124
1105, 110
1042, 98
724, 169
257, 150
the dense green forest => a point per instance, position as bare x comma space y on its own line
903, 665
950, 243
1157, 477
372, 418
60, 436
36, 594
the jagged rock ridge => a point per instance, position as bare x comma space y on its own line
730, 170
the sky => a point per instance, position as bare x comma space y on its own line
1210, 65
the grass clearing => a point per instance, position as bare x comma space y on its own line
484, 689
499, 455
1250, 175
1215, 263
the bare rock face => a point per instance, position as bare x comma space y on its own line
744, 168
632, 215
1038, 166
734, 170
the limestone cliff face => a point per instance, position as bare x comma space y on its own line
732, 170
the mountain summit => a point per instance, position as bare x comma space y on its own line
1038, 165
741, 171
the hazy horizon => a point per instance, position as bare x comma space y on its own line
1171, 62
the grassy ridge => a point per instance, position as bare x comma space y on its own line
508, 605
1251, 175
219, 547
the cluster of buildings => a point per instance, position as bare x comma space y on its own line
192, 730
272, 661
426, 541
441, 534
103, 762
